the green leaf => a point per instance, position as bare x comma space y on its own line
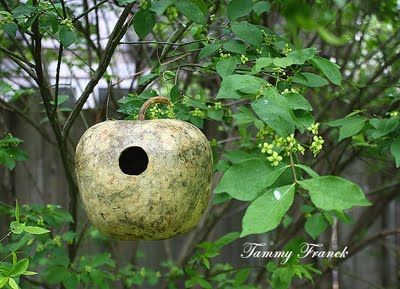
316, 225
232, 85
239, 8
227, 239
5, 87
71, 281
49, 22
329, 69
15, 246
283, 61
67, 36
215, 114
100, 260
6, 160
208, 50
147, 78
204, 283
65, 109
236, 156
11, 140
159, 6
235, 46
395, 150
243, 116
261, 63
349, 126
23, 11
303, 119
276, 113
311, 80
297, 101
29, 273
3, 281
383, 126
16, 227
16, 212
300, 56
123, 2
331, 38
35, 230
221, 198
28, 23
11, 29
14, 258
175, 93
245, 180
12, 283
308, 170
61, 99
193, 10
334, 193
248, 33
267, 211
17, 154
295, 57
20, 267
261, 7
195, 103
143, 22
226, 66
56, 274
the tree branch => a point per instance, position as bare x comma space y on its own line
89, 10
57, 84
31, 122
20, 62
354, 250
119, 31
178, 33
45, 92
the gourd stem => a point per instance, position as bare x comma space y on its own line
150, 102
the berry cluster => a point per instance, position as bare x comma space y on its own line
268, 38
287, 49
223, 55
198, 112
68, 23
5, 18
244, 59
277, 147
155, 112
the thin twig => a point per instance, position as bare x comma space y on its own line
31, 122
57, 84
89, 10
161, 43
20, 63
119, 31
20, 58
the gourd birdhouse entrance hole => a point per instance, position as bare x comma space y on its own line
133, 161
144, 179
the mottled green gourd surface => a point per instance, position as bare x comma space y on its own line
156, 200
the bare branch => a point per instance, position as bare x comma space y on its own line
45, 93
20, 62
57, 84
31, 122
178, 34
90, 10
119, 31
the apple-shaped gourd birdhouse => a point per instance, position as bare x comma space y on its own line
145, 179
